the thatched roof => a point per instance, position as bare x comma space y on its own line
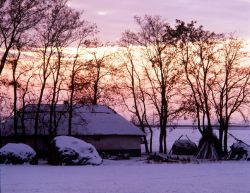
87, 120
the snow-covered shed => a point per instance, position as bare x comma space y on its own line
96, 124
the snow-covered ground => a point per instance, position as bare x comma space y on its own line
130, 176
133, 176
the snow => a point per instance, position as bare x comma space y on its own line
87, 153
132, 176
20, 150
86, 120
106, 124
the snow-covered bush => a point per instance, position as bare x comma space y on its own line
17, 153
239, 151
66, 150
184, 147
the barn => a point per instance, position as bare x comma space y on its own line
99, 125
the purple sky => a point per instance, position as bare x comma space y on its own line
113, 16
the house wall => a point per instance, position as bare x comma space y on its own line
116, 144
108, 144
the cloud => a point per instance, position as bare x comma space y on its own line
246, 1
102, 13
218, 16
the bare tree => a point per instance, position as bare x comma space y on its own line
133, 94
197, 49
97, 83
75, 32
54, 34
26, 92
230, 88
17, 18
76, 66
5, 103
14, 61
198, 57
161, 69
20, 69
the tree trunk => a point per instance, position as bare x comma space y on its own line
146, 144
24, 107
165, 141
151, 140
225, 140
94, 102
37, 116
221, 132
14, 65
71, 101
145, 139
15, 111
51, 118
70, 118
161, 141
22, 120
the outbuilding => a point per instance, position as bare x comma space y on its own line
96, 124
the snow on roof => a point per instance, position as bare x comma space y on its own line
87, 120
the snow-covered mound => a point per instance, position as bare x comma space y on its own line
66, 150
184, 147
17, 153
239, 151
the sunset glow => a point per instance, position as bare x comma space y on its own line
134, 96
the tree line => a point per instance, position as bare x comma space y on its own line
50, 54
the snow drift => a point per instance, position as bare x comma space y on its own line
66, 150
17, 153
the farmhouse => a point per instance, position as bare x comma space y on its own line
96, 124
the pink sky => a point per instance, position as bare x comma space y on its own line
113, 16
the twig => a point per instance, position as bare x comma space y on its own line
238, 139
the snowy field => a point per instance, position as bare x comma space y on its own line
132, 176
